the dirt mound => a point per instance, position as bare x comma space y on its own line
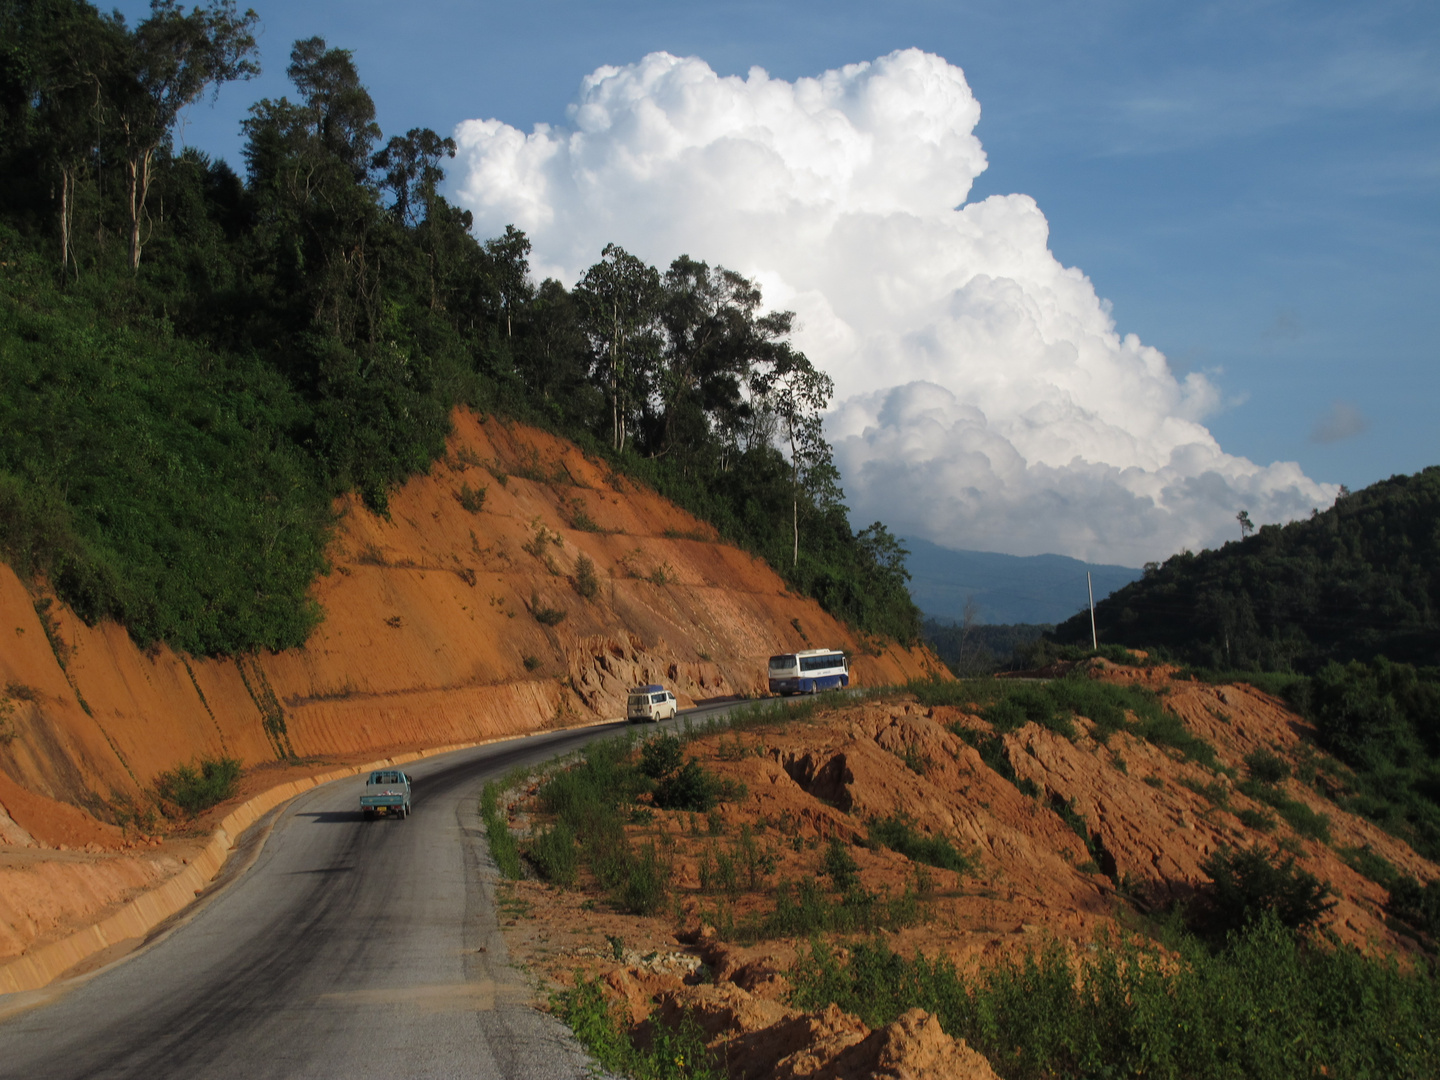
1088, 840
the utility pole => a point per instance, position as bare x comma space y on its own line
1094, 640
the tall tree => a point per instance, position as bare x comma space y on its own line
619, 299
61, 62
715, 344
510, 272
309, 172
174, 59
798, 393
409, 168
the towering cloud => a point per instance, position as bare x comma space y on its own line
984, 398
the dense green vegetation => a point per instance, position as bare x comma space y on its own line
1267, 1005
1382, 720
1355, 582
194, 362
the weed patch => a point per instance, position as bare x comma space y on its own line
471, 499
803, 909
1298, 815
503, 848
898, 833
670, 1054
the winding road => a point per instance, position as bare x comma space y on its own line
348, 949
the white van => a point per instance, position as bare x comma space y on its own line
651, 702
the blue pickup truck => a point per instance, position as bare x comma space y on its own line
387, 791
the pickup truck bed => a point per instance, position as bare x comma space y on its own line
387, 791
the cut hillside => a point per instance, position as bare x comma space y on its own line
952, 832
463, 615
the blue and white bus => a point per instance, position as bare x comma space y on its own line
808, 671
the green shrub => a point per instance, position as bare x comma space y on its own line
586, 583
1248, 882
661, 756
471, 499
1029, 704
544, 615
1416, 904
1213, 790
1266, 767
839, 865
194, 790
646, 883
898, 833
1305, 821
1369, 863
994, 753
1164, 728
1256, 819
1301, 818
691, 787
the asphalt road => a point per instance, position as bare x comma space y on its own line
349, 949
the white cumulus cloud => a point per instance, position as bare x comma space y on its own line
984, 397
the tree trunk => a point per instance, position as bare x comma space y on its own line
795, 524
137, 175
67, 208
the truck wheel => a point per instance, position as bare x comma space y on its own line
369, 815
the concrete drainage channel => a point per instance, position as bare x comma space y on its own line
137, 918
202, 876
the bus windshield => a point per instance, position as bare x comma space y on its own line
782, 663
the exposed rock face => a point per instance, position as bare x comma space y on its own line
430, 637
429, 633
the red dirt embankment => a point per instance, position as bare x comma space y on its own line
428, 638
1155, 815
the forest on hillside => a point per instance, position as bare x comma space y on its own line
195, 360
1355, 582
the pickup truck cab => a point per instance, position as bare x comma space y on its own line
652, 702
387, 791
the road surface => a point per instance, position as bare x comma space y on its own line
349, 949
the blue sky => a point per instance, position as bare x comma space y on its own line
1253, 186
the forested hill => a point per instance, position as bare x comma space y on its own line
195, 361
1360, 580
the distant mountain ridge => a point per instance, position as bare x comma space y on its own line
1006, 588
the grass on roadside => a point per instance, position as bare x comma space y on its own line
668, 1054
